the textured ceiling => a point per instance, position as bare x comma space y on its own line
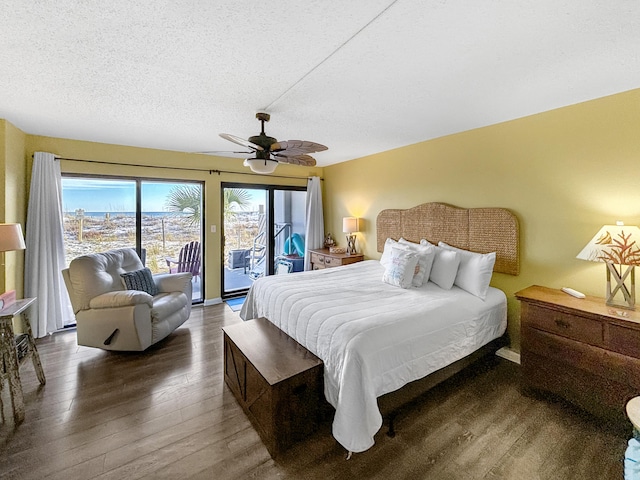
360, 76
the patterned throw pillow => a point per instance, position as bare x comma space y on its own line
401, 268
426, 256
386, 252
140, 280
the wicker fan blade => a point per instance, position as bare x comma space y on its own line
304, 160
291, 148
222, 153
241, 141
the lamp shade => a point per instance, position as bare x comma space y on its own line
349, 224
11, 237
617, 244
259, 165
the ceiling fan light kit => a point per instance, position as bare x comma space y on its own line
269, 152
262, 166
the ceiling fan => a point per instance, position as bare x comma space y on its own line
268, 151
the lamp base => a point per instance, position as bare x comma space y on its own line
628, 292
351, 245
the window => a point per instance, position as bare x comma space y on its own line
156, 217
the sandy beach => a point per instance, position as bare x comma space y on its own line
162, 235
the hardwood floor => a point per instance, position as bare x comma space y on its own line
166, 413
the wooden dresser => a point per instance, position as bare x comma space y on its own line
580, 349
322, 258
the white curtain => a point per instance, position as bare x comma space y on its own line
314, 233
44, 256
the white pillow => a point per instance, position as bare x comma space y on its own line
426, 256
386, 252
401, 268
474, 273
445, 268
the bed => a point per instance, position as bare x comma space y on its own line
376, 339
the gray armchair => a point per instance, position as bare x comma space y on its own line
111, 317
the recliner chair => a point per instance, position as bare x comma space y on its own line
110, 317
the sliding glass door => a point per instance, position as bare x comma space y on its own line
156, 217
263, 233
171, 226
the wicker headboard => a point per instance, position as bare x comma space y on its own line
481, 230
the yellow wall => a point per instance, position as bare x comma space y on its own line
13, 185
149, 159
564, 173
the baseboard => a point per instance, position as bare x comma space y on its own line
212, 301
508, 354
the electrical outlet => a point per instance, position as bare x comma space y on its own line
213, 229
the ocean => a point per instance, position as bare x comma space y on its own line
126, 214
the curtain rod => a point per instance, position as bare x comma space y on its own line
210, 170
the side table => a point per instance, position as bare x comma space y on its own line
323, 258
9, 365
580, 349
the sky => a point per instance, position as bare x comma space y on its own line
95, 195
112, 195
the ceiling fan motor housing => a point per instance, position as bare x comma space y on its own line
265, 142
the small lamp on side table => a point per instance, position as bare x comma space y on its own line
350, 226
616, 246
10, 239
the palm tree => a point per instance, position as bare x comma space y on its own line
238, 196
185, 199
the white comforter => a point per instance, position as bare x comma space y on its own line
373, 337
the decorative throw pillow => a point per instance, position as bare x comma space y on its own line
140, 280
474, 273
401, 268
426, 256
386, 253
445, 267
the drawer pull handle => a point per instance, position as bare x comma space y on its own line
563, 324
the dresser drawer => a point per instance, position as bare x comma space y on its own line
332, 262
351, 259
624, 340
317, 258
570, 326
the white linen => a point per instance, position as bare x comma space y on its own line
373, 337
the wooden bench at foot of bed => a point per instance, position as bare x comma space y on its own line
277, 381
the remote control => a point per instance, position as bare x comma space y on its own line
572, 292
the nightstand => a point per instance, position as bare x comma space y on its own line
580, 349
323, 258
